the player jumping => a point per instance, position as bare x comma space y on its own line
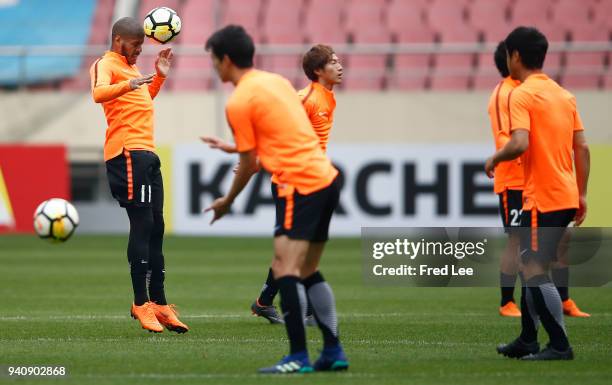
133, 168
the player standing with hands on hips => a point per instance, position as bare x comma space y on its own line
133, 168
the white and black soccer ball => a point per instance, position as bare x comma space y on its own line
55, 220
162, 24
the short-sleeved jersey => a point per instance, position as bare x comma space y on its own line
266, 115
129, 113
549, 113
319, 103
508, 175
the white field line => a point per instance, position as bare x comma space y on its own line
229, 316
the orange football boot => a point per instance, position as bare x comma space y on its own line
146, 316
510, 310
168, 316
570, 309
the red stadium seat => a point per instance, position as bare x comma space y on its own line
602, 11
594, 60
406, 83
571, 13
530, 12
282, 22
290, 66
580, 81
487, 79
322, 22
243, 12
363, 15
490, 19
446, 14
406, 17
148, 5
607, 81
449, 82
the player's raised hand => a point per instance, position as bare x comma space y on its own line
217, 143
137, 82
163, 62
220, 207
581, 212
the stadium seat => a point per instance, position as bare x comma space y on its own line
148, 5
490, 19
486, 79
75, 21
440, 81
607, 81
602, 11
243, 12
359, 14
323, 22
407, 81
587, 60
530, 12
289, 66
405, 18
283, 21
194, 71
576, 81
571, 14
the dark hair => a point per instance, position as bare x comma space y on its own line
127, 27
234, 42
315, 59
500, 59
531, 44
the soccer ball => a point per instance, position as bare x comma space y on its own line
55, 220
162, 24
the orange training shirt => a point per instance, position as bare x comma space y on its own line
265, 114
549, 113
508, 175
129, 113
319, 103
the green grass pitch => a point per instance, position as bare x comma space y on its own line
69, 304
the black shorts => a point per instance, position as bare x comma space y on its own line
305, 216
541, 234
510, 208
135, 179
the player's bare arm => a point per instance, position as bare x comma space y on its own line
582, 162
220, 144
246, 168
517, 145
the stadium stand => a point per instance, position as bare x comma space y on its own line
433, 25
33, 25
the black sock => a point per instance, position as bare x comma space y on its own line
547, 303
269, 290
141, 224
292, 310
560, 278
156, 261
507, 282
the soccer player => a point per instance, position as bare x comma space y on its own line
322, 66
508, 184
547, 132
271, 129
133, 168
